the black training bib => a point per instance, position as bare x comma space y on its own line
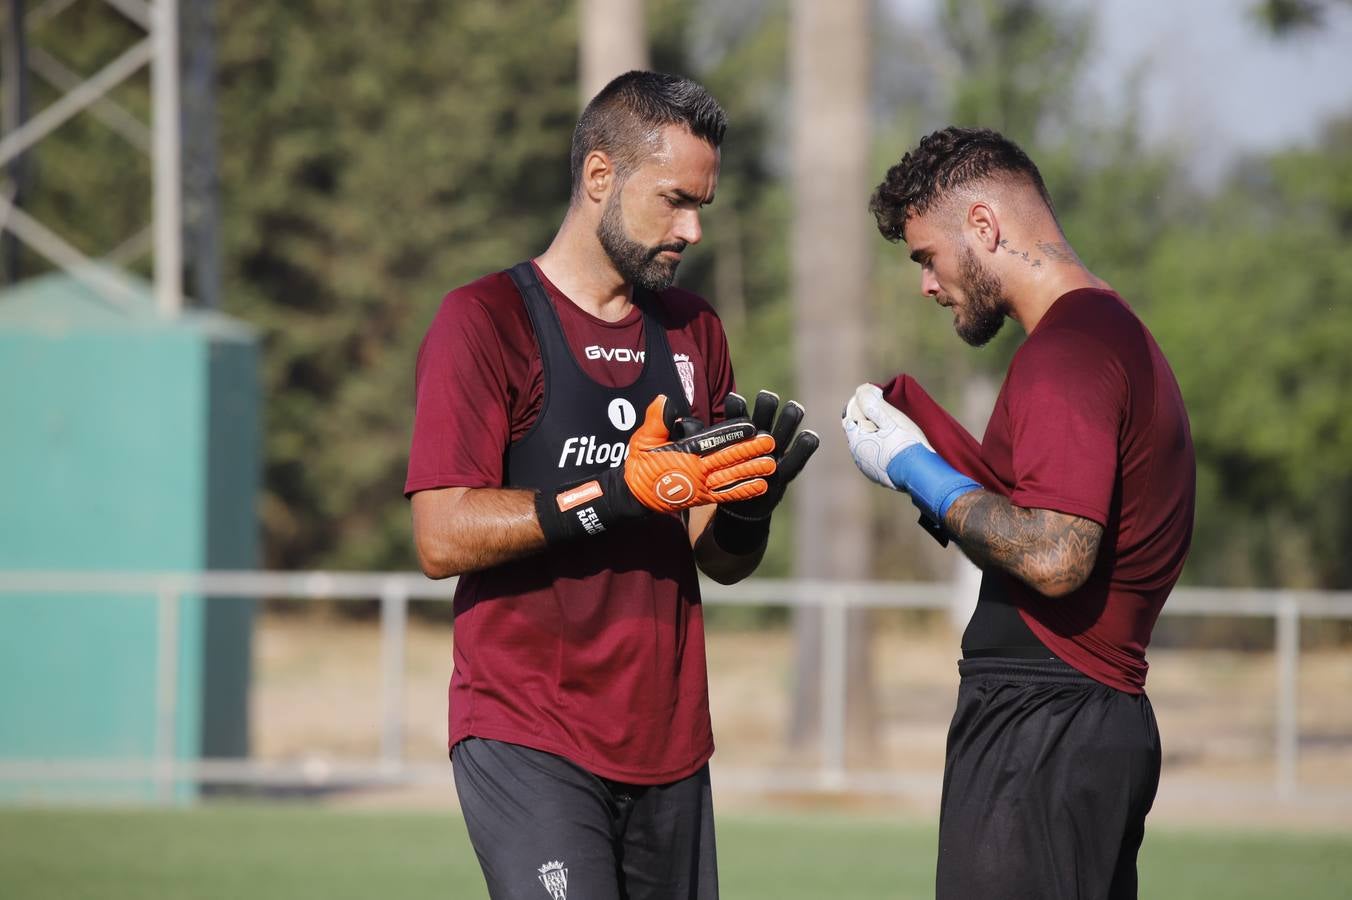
583, 427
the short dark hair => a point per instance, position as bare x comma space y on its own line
623, 119
942, 162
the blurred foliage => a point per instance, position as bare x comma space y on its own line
1249, 296
1285, 17
1018, 63
375, 156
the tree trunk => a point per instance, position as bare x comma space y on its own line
831, 242
613, 40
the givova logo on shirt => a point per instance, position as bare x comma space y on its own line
685, 367
615, 354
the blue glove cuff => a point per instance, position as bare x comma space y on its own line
932, 483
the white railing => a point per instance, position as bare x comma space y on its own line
396, 589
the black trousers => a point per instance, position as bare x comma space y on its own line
545, 829
1047, 781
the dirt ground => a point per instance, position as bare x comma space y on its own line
317, 693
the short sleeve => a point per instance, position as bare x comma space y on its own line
1067, 399
719, 372
461, 425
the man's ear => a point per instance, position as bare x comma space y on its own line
983, 225
598, 175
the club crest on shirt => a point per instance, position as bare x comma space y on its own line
686, 369
554, 876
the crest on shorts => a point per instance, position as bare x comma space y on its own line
686, 369
554, 876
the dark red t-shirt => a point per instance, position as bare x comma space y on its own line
1089, 422
624, 691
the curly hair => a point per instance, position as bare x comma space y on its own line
623, 119
941, 163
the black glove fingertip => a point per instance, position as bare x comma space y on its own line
734, 406
799, 452
767, 402
789, 419
671, 415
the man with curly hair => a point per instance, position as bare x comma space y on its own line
1077, 505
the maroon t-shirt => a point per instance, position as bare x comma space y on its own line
607, 669
1089, 422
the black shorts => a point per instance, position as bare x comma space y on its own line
545, 829
1047, 782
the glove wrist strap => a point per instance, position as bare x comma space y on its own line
932, 483
739, 535
586, 508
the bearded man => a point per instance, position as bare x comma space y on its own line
560, 466
1077, 506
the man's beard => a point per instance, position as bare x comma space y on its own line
983, 314
637, 263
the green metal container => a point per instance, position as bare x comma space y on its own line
128, 442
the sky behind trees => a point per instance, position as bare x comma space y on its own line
1215, 82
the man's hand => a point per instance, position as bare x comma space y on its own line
742, 528
879, 434
727, 462
892, 451
792, 450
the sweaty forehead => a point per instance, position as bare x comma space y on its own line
682, 160
674, 145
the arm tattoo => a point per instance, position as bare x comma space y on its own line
1052, 552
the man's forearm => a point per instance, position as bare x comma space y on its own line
722, 564
459, 530
1051, 552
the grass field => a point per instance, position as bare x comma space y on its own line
262, 852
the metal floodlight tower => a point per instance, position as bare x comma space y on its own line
168, 156
163, 140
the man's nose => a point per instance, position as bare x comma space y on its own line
929, 285
687, 227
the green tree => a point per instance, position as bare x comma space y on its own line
1018, 64
373, 158
1249, 297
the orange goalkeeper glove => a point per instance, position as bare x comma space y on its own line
728, 462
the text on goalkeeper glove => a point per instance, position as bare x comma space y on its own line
725, 462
